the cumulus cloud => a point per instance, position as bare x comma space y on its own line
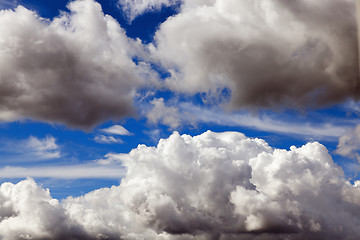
267, 53
116, 130
211, 186
76, 69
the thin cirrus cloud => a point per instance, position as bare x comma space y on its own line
169, 115
211, 186
77, 171
107, 139
45, 148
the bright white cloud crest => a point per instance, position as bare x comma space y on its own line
212, 186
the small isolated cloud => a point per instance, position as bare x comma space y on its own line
116, 130
349, 144
135, 8
107, 139
45, 148
211, 186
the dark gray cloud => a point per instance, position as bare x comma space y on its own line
211, 186
75, 69
296, 54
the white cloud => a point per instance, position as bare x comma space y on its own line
160, 113
349, 144
79, 171
169, 115
107, 139
270, 54
211, 186
76, 69
134, 8
116, 130
45, 148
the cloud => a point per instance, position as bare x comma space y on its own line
134, 8
160, 113
107, 139
269, 54
45, 148
211, 186
76, 69
77, 171
116, 130
169, 114
349, 144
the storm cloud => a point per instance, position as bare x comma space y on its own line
211, 186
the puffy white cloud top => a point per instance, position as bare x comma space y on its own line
211, 186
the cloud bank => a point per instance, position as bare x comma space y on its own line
211, 186
76, 69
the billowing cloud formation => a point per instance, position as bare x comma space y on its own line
267, 53
75, 69
212, 186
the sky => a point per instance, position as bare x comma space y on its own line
179, 119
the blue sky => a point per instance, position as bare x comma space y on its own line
84, 84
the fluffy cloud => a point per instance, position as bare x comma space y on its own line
211, 186
76, 69
268, 53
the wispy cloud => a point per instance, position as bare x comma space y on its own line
6, 4
107, 139
45, 148
64, 172
192, 115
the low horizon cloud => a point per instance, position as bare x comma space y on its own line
211, 186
